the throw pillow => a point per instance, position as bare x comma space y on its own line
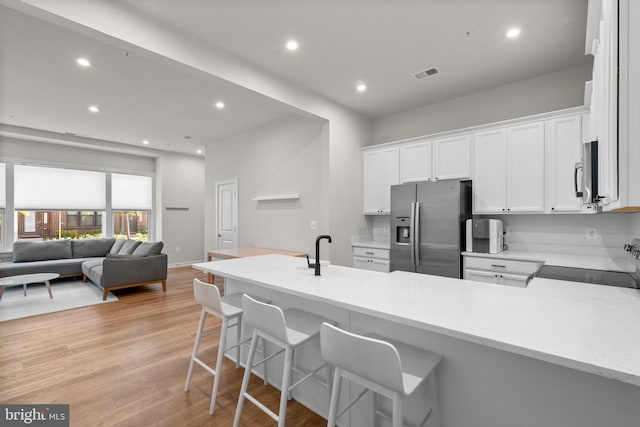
148, 248
117, 246
128, 247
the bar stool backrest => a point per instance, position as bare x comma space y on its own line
372, 359
207, 295
265, 317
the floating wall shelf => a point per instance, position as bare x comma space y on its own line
278, 197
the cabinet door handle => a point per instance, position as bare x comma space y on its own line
498, 266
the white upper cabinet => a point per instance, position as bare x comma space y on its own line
452, 157
525, 168
490, 171
563, 146
509, 170
444, 158
381, 171
613, 38
415, 161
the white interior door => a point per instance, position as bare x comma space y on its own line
227, 204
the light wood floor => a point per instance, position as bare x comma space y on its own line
125, 363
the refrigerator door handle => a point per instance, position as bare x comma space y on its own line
412, 234
416, 234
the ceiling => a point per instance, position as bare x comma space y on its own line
380, 43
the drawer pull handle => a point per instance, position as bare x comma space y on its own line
370, 253
498, 266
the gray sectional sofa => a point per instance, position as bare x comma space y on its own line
109, 263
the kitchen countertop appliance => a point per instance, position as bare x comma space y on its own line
485, 235
428, 226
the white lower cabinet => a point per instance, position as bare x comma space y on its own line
501, 271
371, 259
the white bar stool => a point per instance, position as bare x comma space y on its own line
288, 329
226, 308
386, 367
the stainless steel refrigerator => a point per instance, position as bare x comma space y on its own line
428, 226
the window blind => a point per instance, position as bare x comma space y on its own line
45, 188
131, 192
3, 186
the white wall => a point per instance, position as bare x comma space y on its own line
283, 157
549, 92
181, 184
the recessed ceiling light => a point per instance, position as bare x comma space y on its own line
292, 45
513, 33
145, 142
83, 62
94, 109
219, 105
199, 151
361, 87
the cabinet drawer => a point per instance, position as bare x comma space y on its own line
370, 252
508, 279
502, 265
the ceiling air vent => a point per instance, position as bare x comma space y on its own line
426, 73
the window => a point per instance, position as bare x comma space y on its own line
84, 219
52, 225
67, 203
131, 201
131, 225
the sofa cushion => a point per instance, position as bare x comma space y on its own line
64, 267
128, 247
148, 248
117, 245
90, 264
95, 275
85, 248
25, 251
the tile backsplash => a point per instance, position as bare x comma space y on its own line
597, 234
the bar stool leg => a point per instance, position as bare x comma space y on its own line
245, 378
216, 379
293, 356
238, 339
264, 365
335, 397
286, 382
397, 410
196, 345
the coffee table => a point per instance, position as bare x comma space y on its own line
25, 279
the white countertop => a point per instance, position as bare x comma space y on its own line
565, 260
592, 328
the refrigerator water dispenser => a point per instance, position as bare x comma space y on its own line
402, 226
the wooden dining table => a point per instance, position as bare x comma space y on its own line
244, 253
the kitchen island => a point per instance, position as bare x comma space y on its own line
553, 354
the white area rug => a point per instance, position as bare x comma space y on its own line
66, 295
